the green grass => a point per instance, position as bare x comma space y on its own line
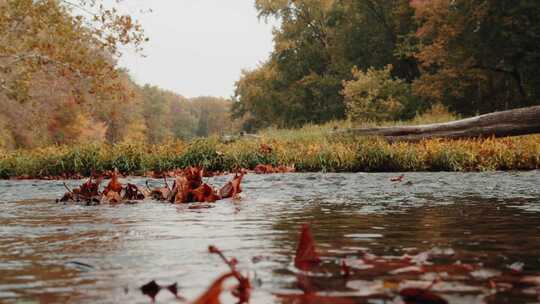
307, 151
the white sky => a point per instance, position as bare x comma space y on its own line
198, 47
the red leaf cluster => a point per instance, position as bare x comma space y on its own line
88, 192
307, 257
189, 187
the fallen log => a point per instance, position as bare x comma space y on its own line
515, 122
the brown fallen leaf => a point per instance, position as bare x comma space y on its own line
113, 197
286, 169
68, 196
89, 188
151, 289
204, 194
232, 188
263, 169
114, 185
194, 176
133, 192
160, 194
181, 190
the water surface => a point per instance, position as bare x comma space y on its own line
54, 252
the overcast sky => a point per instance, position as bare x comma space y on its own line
198, 47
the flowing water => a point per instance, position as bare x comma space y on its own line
56, 253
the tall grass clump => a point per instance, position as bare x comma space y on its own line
312, 148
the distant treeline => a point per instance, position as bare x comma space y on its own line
388, 59
147, 114
60, 83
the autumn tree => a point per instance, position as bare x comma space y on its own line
479, 56
56, 58
74, 40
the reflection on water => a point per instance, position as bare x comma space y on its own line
67, 253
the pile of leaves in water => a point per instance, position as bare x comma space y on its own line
187, 187
409, 279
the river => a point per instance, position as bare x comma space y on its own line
56, 253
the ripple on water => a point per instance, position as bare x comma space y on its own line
489, 218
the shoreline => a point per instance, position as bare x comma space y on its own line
78, 178
300, 152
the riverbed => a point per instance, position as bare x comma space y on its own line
71, 253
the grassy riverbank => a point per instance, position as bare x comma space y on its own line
308, 149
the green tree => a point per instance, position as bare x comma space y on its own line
155, 109
316, 46
375, 95
479, 56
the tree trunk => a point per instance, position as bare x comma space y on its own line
499, 124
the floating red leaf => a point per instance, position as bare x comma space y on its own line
242, 291
398, 178
211, 295
306, 254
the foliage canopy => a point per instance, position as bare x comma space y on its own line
471, 56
